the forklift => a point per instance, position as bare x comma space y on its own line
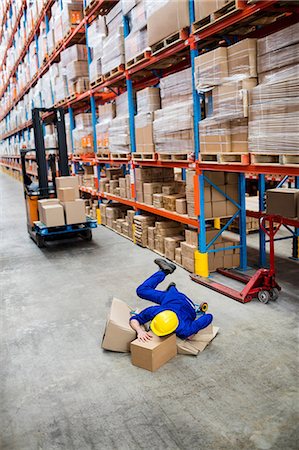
43, 188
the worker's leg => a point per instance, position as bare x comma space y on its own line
147, 289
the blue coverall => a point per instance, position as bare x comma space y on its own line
172, 300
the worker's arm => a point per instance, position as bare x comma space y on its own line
199, 324
141, 333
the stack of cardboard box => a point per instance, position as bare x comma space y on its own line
173, 124
228, 75
106, 114
148, 101
67, 208
153, 178
113, 44
96, 32
82, 134
142, 222
136, 41
119, 133
274, 125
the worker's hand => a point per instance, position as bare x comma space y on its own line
144, 336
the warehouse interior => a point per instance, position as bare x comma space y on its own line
146, 142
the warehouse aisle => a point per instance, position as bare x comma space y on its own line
60, 390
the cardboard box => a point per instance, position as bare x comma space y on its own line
191, 237
242, 59
282, 201
118, 333
204, 8
155, 353
211, 68
217, 196
208, 210
188, 263
67, 194
181, 206
198, 343
219, 209
152, 188
239, 135
74, 212
72, 181
52, 215
47, 201
166, 18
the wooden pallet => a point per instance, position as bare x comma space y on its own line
144, 156
144, 56
177, 157
120, 156
220, 14
97, 81
90, 6
285, 159
103, 154
171, 40
71, 97
114, 72
224, 158
61, 102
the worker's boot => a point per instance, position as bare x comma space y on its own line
167, 267
170, 286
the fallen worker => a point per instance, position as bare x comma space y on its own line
175, 313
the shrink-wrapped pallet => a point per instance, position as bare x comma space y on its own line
176, 88
173, 129
136, 41
113, 44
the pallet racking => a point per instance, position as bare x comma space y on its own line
236, 22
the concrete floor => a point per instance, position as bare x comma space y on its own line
59, 389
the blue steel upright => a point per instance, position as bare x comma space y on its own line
242, 222
262, 237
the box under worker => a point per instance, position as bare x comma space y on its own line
175, 313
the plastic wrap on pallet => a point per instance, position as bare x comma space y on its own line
277, 59
77, 52
76, 69
283, 38
122, 107
215, 136
148, 100
71, 15
136, 41
276, 76
165, 17
106, 114
113, 50
173, 129
211, 69
119, 135
82, 134
274, 125
241, 59
176, 88
239, 135
232, 99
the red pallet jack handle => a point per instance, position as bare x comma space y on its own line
262, 284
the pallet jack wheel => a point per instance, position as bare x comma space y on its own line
264, 296
274, 293
88, 235
204, 306
40, 241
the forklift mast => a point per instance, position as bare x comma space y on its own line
57, 117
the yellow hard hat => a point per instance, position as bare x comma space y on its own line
164, 323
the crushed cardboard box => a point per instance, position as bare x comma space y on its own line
199, 341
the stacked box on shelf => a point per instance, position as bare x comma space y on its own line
119, 132
96, 32
74, 60
153, 179
215, 204
82, 134
165, 17
205, 8
113, 44
142, 222
136, 42
274, 125
173, 124
228, 75
148, 101
106, 114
